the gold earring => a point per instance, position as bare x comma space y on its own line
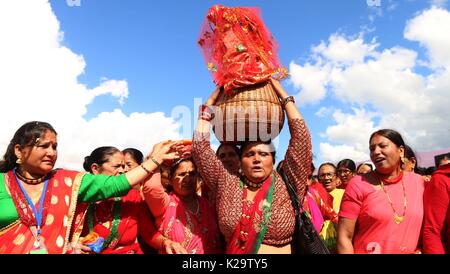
402, 159
18, 161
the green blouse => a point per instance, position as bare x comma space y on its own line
93, 188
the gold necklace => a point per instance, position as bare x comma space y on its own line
397, 218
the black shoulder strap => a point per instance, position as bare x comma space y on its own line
291, 190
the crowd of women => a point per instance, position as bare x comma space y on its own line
186, 198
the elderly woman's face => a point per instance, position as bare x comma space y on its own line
385, 154
327, 177
185, 178
114, 166
257, 162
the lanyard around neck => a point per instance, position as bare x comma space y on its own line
38, 212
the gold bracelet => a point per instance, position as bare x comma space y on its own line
146, 170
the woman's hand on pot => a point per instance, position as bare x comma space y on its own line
213, 97
278, 88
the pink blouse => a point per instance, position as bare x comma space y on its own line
376, 231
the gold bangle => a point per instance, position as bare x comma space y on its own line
146, 170
154, 161
286, 100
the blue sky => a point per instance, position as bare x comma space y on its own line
152, 47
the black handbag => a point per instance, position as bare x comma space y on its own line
305, 240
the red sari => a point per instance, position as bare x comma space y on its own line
248, 235
133, 219
58, 213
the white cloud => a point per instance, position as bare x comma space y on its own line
39, 82
430, 29
335, 153
342, 51
353, 129
312, 80
324, 112
386, 82
113, 87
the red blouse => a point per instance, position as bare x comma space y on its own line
135, 219
436, 224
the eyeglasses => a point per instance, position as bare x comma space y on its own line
325, 175
344, 171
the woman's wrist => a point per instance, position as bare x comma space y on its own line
285, 100
147, 170
155, 160
205, 113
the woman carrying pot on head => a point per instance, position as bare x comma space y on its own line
255, 212
382, 211
187, 221
38, 203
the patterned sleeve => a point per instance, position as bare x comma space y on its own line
299, 156
209, 166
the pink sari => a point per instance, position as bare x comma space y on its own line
197, 233
314, 211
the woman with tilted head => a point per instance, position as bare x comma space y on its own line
186, 220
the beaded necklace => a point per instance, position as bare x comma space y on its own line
251, 184
30, 181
